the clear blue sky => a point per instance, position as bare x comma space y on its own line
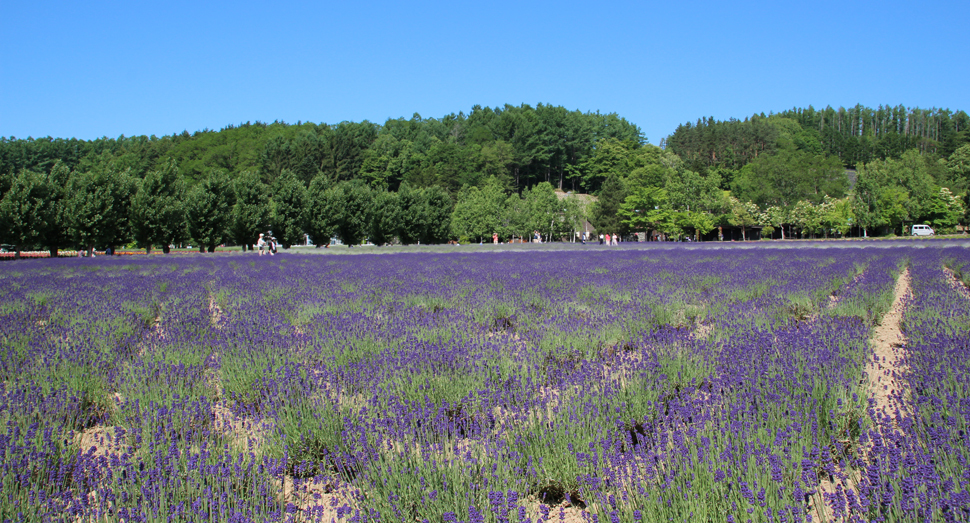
92, 69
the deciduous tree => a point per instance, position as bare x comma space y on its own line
99, 206
158, 209
207, 210
252, 213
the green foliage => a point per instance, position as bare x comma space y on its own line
98, 207
413, 214
742, 214
772, 161
158, 209
477, 211
790, 176
944, 210
689, 191
856, 135
957, 177
605, 212
896, 191
645, 210
425, 215
439, 209
207, 211
289, 209
352, 211
323, 209
385, 215
56, 234
27, 210
252, 212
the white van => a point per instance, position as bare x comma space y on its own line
922, 230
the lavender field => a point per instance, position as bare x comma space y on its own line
613, 385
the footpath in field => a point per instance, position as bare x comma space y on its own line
888, 344
884, 371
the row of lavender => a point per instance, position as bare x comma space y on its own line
637, 384
917, 467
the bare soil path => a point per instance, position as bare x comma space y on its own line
887, 388
884, 370
215, 311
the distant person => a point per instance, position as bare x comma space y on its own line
601, 239
261, 244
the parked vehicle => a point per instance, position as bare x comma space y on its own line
922, 230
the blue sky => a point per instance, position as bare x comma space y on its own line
92, 69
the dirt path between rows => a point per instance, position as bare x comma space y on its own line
215, 311
887, 388
886, 385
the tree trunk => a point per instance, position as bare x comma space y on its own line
148, 249
53, 251
16, 252
166, 249
201, 249
212, 248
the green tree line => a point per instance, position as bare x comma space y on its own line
509, 171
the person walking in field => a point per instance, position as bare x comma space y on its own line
261, 244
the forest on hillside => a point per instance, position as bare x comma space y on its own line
802, 172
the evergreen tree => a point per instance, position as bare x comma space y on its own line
604, 211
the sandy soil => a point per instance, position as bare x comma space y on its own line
215, 312
887, 388
886, 385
